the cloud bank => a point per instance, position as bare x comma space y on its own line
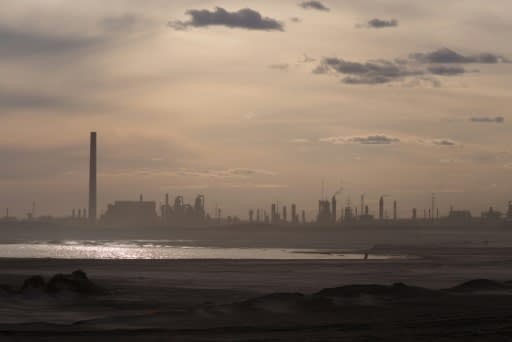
382, 23
245, 18
370, 72
444, 142
419, 66
316, 5
447, 56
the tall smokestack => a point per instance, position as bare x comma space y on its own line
381, 208
92, 179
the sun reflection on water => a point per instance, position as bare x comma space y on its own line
165, 250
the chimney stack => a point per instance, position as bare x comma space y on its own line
381, 208
92, 180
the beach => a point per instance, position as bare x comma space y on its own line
258, 300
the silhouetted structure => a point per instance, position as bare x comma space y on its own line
348, 215
362, 206
181, 213
130, 213
459, 216
491, 215
324, 212
509, 212
381, 208
433, 206
365, 216
295, 217
395, 217
333, 210
274, 216
92, 179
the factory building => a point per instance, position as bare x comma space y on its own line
349, 215
181, 213
366, 215
491, 215
459, 216
131, 213
326, 211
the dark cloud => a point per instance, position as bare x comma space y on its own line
444, 142
448, 56
381, 23
22, 44
365, 140
419, 67
282, 67
316, 5
444, 70
486, 119
370, 72
245, 18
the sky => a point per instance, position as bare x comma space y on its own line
253, 102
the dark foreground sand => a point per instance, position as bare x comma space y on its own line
251, 300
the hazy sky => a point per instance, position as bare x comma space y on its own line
250, 102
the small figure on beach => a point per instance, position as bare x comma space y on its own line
365, 256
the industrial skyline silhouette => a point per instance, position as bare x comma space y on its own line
147, 213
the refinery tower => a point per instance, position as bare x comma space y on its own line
92, 179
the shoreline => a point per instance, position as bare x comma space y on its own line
220, 299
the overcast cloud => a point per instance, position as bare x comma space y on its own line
263, 97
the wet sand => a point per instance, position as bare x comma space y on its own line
204, 300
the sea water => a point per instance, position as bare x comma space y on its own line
166, 249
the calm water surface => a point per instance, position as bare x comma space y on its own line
145, 249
